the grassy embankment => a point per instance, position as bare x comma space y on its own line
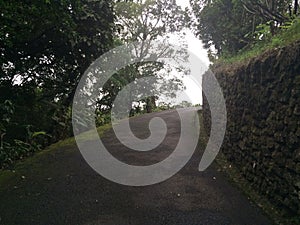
284, 37
67, 146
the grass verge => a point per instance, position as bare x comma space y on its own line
283, 38
67, 146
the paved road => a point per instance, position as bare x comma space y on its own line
60, 188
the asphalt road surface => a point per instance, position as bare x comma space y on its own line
61, 188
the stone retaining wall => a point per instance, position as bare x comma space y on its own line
263, 131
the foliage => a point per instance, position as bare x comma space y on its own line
149, 19
270, 10
145, 21
218, 24
288, 35
45, 46
232, 25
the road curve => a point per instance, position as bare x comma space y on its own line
62, 189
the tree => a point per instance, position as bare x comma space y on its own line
230, 25
271, 11
45, 46
57, 52
218, 24
144, 21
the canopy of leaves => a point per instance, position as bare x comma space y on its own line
45, 46
230, 25
145, 21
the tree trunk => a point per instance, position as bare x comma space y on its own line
150, 104
296, 7
290, 10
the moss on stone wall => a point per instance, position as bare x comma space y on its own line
263, 132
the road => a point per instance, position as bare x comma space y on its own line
60, 188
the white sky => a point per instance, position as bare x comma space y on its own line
183, 3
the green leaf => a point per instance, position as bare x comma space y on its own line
35, 134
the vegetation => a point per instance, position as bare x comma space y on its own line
288, 35
145, 21
46, 46
231, 27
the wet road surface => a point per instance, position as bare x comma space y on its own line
60, 188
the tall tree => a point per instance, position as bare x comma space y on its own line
218, 24
45, 46
145, 21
